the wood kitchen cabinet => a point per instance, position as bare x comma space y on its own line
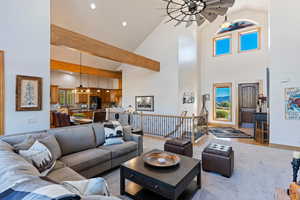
105, 96
82, 98
54, 94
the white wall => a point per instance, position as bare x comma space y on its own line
285, 65
236, 68
72, 80
161, 45
25, 38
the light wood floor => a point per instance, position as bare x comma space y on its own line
249, 131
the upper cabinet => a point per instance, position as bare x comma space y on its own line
54, 94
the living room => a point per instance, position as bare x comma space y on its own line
171, 74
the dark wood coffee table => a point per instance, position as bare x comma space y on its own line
146, 182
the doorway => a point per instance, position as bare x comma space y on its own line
248, 94
1, 93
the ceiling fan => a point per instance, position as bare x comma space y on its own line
199, 11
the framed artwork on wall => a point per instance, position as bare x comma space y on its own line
28, 93
292, 103
222, 102
188, 98
144, 103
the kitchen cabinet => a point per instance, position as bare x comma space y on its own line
54, 94
82, 98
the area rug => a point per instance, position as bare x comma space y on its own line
258, 171
227, 132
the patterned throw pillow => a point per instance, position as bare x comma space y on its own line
113, 133
40, 157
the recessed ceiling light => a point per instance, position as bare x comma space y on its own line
93, 6
124, 23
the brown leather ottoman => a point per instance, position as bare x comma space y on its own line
218, 158
182, 147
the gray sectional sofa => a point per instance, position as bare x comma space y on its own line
80, 152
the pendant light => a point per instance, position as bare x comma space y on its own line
98, 88
81, 89
88, 84
226, 23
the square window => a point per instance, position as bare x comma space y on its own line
249, 40
222, 46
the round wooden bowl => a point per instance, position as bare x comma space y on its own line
161, 159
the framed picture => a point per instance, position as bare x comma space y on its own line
28, 93
292, 103
188, 98
222, 105
144, 103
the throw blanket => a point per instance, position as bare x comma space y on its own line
38, 189
94, 186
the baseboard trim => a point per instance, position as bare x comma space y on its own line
285, 147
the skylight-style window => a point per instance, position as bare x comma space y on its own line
249, 40
222, 45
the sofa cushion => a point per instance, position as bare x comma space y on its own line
118, 150
5, 146
74, 139
64, 174
51, 143
18, 138
99, 133
25, 144
86, 159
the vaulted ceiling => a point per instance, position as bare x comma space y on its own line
105, 23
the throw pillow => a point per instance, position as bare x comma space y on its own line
113, 133
25, 144
51, 143
40, 156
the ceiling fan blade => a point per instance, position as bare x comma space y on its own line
217, 11
221, 4
209, 16
179, 22
207, 2
173, 18
190, 22
199, 19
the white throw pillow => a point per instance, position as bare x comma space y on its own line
40, 156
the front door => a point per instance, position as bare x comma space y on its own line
248, 95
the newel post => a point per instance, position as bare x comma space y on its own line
142, 121
193, 129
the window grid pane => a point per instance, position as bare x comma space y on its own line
222, 46
62, 97
249, 41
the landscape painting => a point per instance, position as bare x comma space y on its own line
144, 103
222, 102
292, 103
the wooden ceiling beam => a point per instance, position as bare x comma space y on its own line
70, 67
64, 37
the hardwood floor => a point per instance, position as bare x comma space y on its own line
248, 131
